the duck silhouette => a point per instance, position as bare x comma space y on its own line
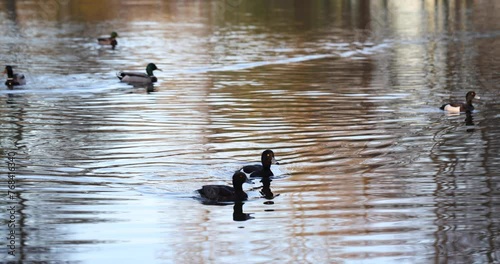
461, 107
223, 193
267, 159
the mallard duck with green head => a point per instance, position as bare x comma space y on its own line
109, 41
139, 77
13, 78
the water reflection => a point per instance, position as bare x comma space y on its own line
346, 92
469, 121
238, 214
148, 87
266, 189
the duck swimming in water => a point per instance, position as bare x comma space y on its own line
264, 170
109, 41
461, 107
223, 193
13, 78
139, 77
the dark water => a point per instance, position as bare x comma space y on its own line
346, 93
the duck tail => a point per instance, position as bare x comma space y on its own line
119, 75
443, 106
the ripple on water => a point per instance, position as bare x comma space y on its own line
370, 168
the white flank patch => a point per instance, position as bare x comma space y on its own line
452, 109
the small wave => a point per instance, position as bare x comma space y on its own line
64, 84
368, 49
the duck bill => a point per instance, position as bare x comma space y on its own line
274, 161
477, 97
249, 181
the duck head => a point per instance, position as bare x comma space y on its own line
114, 34
267, 158
239, 178
8, 71
150, 68
471, 95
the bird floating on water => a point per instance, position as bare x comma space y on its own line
264, 170
223, 193
109, 41
13, 78
139, 77
461, 107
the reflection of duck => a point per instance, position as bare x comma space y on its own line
149, 87
13, 78
109, 41
264, 170
266, 188
223, 193
238, 214
461, 107
139, 77
469, 121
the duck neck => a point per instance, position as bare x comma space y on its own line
238, 187
266, 166
149, 72
10, 73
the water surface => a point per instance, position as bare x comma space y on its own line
345, 93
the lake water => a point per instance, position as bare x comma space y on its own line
346, 93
